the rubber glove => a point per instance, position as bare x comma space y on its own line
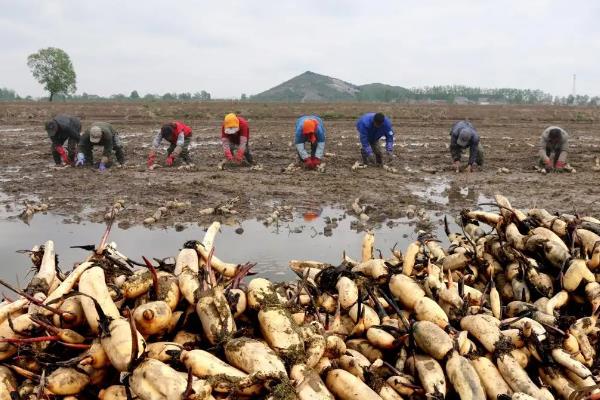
151, 159
80, 160
63, 154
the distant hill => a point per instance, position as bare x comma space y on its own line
310, 87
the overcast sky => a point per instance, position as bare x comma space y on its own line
234, 47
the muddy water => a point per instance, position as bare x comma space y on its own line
323, 236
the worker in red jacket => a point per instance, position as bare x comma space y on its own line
179, 135
235, 136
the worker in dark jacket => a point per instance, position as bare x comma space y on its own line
372, 127
553, 149
463, 135
310, 129
63, 128
179, 135
100, 134
235, 138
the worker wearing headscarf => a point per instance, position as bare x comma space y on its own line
310, 129
235, 138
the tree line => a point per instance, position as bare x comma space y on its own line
53, 69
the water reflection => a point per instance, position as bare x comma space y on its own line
324, 238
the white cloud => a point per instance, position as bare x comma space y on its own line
230, 47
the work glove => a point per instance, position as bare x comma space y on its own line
560, 165
471, 168
63, 154
80, 160
371, 159
170, 160
308, 163
151, 159
101, 167
239, 156
315, 161
548, 164
228, 154
389, 156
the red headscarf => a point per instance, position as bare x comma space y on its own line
309, 127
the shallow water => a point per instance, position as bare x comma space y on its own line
322, 234
270, 247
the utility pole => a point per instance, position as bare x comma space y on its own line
574, 85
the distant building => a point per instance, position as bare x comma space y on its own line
484, 101
461, 100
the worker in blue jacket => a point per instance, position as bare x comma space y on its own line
310, 129
463, 135
372, 127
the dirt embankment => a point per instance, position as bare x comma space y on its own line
509, 136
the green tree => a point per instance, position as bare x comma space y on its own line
244, 97
134, 95
52, 68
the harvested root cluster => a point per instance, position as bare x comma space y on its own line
32, 208
225, 208
508, 310
115, 209
171, 205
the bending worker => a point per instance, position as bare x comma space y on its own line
63, 128
310, 129
553, 149
372, 127
235, 137
179, 135
464, 135
100, 134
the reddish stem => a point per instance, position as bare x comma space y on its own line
81, 346
154, 275
30, 340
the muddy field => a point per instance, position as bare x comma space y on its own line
423, 178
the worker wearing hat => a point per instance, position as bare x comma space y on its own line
63, 128
464, 135
100, 134
553, 149
179, 136
235, 137
310, 129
